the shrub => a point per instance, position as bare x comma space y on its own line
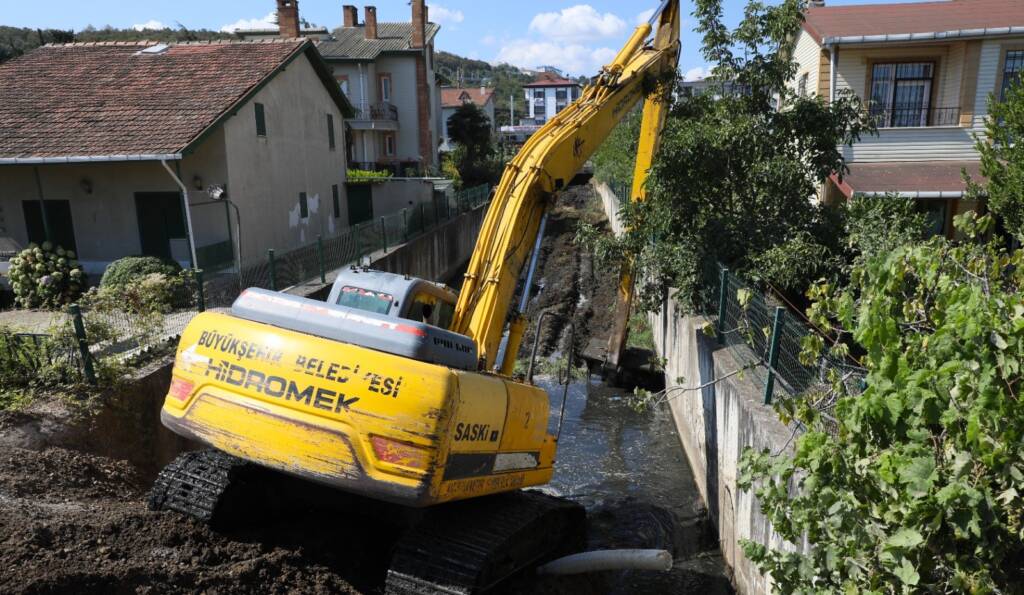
133, 268
364, 176
46, 276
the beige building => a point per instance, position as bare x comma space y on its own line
925, 72
387, 72
117, 149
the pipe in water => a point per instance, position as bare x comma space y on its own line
609, 560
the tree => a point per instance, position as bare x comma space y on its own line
1002, 160
734, 177
920, 490
470, 129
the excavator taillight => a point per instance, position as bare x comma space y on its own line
181, 389
399, 453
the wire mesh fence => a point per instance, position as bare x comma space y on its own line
769, 339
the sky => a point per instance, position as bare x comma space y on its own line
577, 36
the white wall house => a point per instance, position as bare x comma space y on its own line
925, 72
112, 149
387, 72
452, 98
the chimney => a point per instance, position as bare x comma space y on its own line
288, 17
371, 22
351, 15
419, 24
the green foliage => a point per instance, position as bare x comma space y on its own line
734, 177
450, 170
921, 489
1002, 160
363, 176
878, 225
474, 153
132, 269
46, 276
613, 160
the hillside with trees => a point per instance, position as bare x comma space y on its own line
15, 41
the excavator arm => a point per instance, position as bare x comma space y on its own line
546, 164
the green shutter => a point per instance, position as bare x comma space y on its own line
303, 206
337, 201
261, 120
330, 131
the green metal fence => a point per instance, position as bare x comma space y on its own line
768, 338
81, 340
284, 269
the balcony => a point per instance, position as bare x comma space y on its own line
375, 116
914, 116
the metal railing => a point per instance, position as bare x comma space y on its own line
915, 115
382, 110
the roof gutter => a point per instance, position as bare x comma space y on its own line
88, 159
932, 36
913, 194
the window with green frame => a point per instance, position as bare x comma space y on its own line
330, 131
303, 206
261, 120
337, 201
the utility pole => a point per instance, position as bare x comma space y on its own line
512, 110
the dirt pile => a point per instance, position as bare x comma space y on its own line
71, 522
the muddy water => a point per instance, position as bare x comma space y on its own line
628, 469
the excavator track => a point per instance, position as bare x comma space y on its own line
471, 546
196, 484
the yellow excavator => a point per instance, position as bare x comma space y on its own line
398, 390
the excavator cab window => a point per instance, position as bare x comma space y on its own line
364, 299
431, 310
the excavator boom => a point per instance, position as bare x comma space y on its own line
546, 164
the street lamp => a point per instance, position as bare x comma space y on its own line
219, 193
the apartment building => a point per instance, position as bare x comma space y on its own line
387, 72
925, 72
549, 94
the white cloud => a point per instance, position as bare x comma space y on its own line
151, 24
267, 22
571, 58
441, 15
644, 16
577, 24
697, 73
488, 40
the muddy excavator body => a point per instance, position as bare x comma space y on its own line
359, 393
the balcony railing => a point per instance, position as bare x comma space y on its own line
378, 111
908, 116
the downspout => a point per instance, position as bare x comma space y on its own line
833, 54
42, 206
188, 212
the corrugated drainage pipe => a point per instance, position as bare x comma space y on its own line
609, 560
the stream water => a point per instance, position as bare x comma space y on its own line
627, 467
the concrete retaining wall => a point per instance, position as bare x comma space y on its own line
716, 424
439, 253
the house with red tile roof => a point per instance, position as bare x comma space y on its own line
452, 98
925, 72
127, 148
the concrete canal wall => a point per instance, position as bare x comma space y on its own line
716, 424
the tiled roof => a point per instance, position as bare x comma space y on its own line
104, 99
913, 17
907, 176
351, 42
456, 96
550, 79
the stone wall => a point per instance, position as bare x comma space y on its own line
715, 423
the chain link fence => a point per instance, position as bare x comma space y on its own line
765, 337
